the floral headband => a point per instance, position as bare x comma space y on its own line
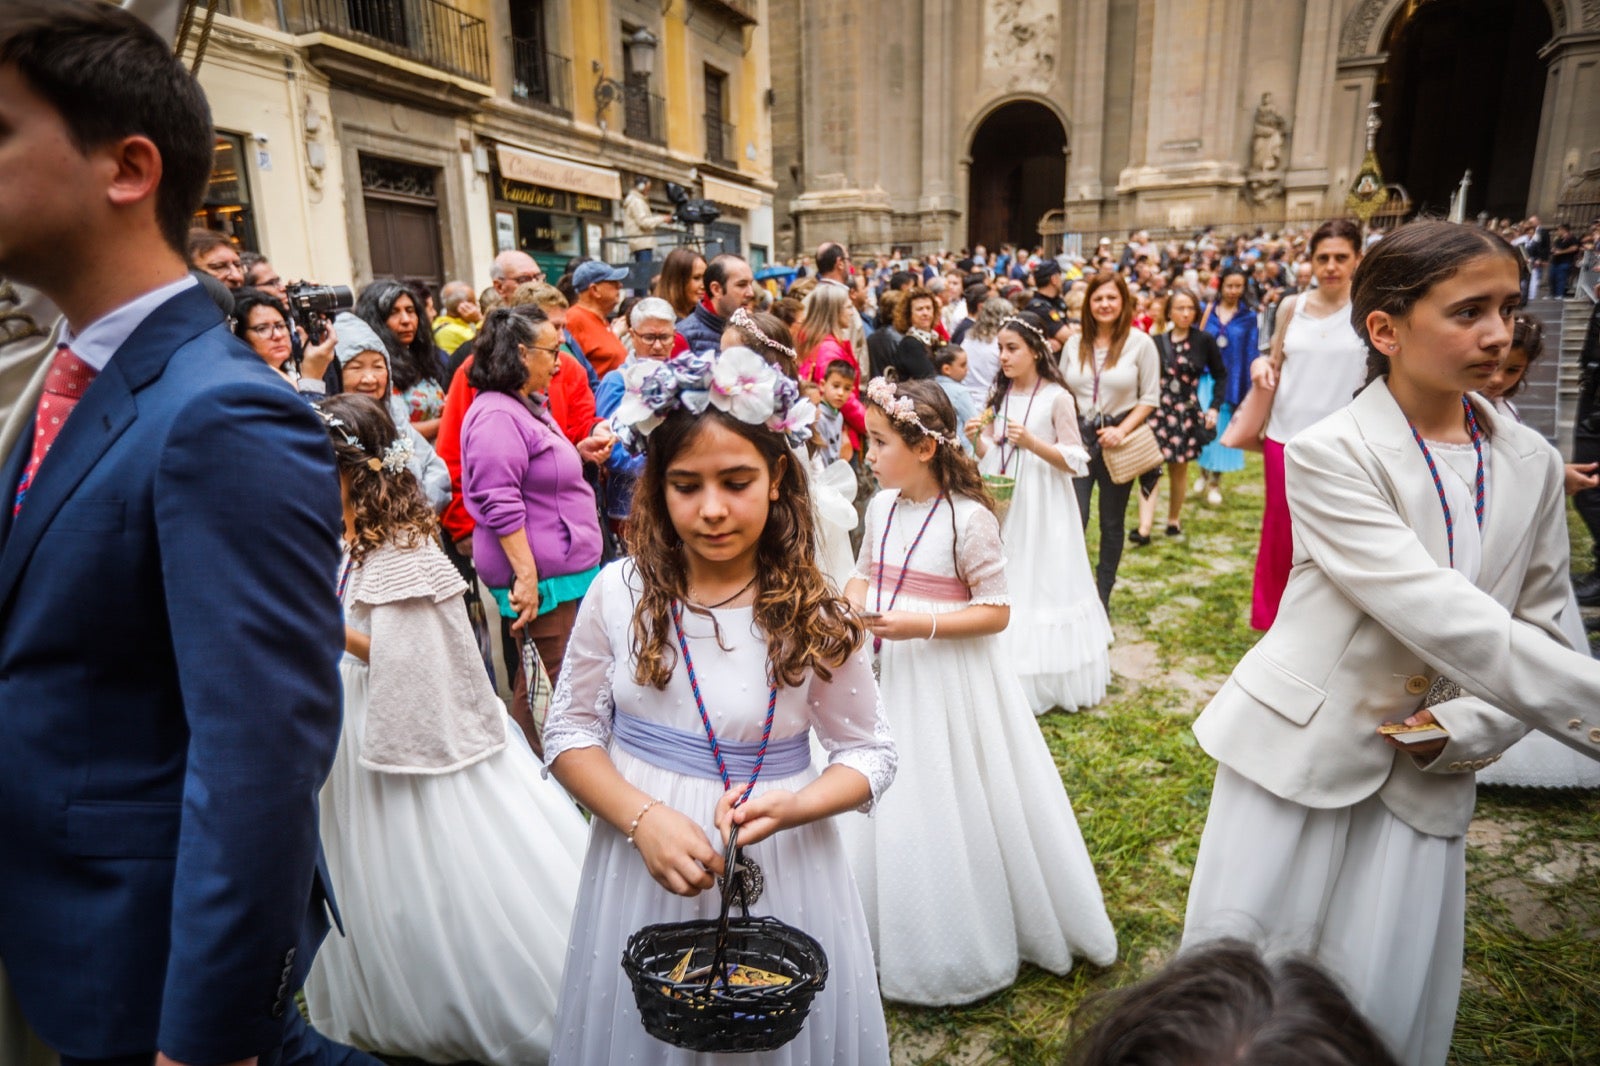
394, 457
884, 395
1016, 323
737, 382
746, 322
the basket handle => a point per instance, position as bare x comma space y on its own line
730, 885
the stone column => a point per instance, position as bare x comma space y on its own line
1569, 126
1086, 192
1306, 184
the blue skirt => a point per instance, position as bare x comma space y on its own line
1214, 456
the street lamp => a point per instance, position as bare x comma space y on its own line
641, 61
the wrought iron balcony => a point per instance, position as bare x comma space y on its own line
644, 115
720, 141
426, 31
742, 12
539, 78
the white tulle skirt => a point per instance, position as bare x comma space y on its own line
1058, 643
1379, 905
973, 862
456, 892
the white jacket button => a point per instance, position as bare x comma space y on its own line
1416, 684
1594, 736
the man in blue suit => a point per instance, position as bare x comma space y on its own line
169, 630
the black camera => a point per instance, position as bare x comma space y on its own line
312, 306
689, 212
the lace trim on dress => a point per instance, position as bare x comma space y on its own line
567, 732
390, 574
877, 762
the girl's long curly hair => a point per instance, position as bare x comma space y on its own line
808, 628
389, 507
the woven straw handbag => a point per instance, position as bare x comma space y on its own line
1137, 454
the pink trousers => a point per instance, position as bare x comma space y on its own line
1277, 542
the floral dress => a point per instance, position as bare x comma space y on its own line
1179, 425
425, 400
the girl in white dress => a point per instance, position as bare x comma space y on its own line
454, 861
1430, 572
1059, 638
718, 631
974, 863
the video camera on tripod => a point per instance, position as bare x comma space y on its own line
314, 305
688, 212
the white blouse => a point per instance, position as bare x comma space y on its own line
1135, 379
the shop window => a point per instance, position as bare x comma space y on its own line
228, 206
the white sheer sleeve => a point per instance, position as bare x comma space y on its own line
863, 568
1069, 440
847, 714
981, 554
581, 707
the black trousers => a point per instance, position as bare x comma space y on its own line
1586, 449
1113, 520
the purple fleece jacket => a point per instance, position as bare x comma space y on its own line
519, 472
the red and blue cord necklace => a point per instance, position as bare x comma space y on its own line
905, 566
1438, 483
705, 719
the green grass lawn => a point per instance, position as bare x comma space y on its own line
1140, 785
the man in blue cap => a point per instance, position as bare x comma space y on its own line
599, 287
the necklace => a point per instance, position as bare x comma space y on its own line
1007, 456
748, 873
905, 566
720, 603
344, 576
1438, 483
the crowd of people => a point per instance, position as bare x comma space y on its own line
747, 558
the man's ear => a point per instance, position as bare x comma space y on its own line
134, 170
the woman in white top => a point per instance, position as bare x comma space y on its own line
1316, 366
1114, 374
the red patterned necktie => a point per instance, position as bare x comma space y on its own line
63, 387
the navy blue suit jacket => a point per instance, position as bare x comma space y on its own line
169, 701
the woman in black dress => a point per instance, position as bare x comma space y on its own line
1181, 428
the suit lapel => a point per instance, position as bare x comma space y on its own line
1515, 484
1388, 437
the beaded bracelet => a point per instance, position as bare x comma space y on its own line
634, 825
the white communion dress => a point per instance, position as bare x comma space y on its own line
1059, 638
454, 861
657, 741
974, 863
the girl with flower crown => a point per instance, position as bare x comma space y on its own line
974, 864
1059, 637
454, 861
697, 671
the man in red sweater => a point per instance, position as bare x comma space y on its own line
599, 287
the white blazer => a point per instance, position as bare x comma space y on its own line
1373, 613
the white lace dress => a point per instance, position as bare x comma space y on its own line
1059, 638
974, 863
808, 881
456, 882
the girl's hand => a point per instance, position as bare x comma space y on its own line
758, 818
676, 851
1426, 751
1018, 435
1580, 476
1111, 436
1211, 419
902, 625
974, 427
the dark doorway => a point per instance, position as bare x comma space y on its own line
1462, 90
1019, 172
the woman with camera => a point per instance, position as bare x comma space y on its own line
262, 321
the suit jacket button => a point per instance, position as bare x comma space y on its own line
1416, 684
1575, 723
1594, 736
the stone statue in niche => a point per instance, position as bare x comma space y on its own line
1020, 40
1266, 144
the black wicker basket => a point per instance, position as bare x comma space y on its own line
703, 1012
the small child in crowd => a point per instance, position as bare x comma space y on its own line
951, 363
837, 383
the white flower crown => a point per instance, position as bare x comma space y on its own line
737, 382
884, 395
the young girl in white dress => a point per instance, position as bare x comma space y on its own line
718, 631
1537, 761
1430, 573
454, 861
1059, 638
974, 863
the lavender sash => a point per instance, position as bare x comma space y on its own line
689, 753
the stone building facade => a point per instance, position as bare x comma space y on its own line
945, 123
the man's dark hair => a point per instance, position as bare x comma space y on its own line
198, 242
828, 257
900, 279
974, 295
717, 271
111, 76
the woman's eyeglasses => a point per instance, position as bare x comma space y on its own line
269, 329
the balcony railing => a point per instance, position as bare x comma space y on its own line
540, 78
644, 116
742, 12
719, 141
427, 31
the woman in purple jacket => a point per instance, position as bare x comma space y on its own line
537, 541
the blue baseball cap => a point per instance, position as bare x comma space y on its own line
589, 273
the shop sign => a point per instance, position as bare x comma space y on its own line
532, 196
535, 168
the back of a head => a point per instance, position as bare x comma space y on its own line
110, 76
1223, 1005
